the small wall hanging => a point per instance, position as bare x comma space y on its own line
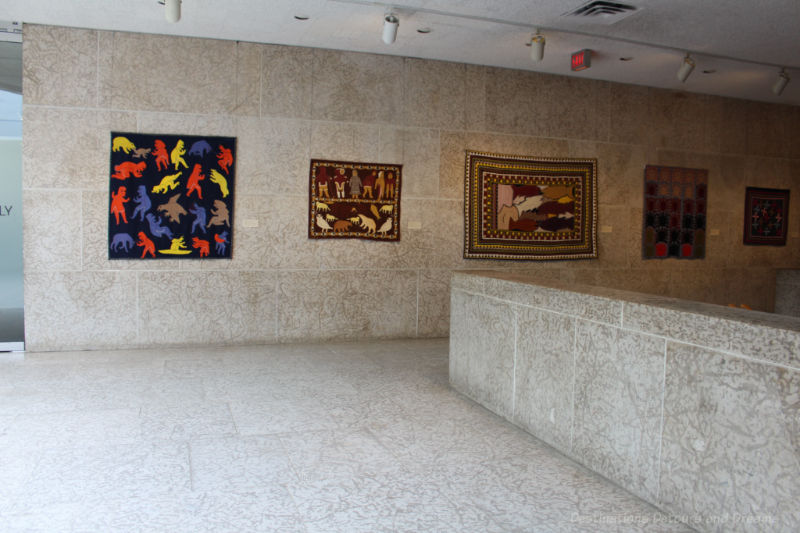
766, 214
171, 196
354, 200
528, 208
675, 207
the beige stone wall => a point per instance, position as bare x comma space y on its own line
286, 105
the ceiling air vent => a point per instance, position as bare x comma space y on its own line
601, 12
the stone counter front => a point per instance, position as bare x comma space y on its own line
692, 407
787, 292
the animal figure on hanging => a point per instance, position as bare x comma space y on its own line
161, 155
168, 183
386, 227
148, 246
322, 223
225, 158
118, 201
199, 221
157, 229
143, 203
193, 184
200, 149
177, 155
173, 209
121, 241
126, 169
122, 143
342, 226
364, 222
221, 239
141, 153
219, 215
202, 245
176, 247
220, 180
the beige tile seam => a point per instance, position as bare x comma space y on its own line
97, 72
81, 232
416, 320
138, 310
668, 339
514, 369
574, 380
276, 306
661, 426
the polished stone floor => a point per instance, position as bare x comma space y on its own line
308, 438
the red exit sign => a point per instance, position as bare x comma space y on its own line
582, 60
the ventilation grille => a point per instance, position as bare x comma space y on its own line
601, 12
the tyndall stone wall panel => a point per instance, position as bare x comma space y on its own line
287, 105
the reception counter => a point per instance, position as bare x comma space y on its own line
692, 407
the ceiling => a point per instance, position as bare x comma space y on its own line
742, 44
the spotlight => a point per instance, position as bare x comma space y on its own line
781, 82
172, 10
537, 47
687, 66
390, 24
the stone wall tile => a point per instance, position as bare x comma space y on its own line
730, 444
60, 66
80, 310
618, 394
544, 375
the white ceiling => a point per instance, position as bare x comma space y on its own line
744, 42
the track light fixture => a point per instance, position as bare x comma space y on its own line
687, 66
390, 24
172, 10
537, 46
781, 82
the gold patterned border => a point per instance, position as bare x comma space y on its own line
546, 226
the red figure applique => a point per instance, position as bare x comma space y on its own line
225, 158
161, 155
194, 182
118, 201
127, 168
202, 245
149, 246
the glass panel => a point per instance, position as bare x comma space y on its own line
11, 307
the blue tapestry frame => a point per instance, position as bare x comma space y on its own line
171, 196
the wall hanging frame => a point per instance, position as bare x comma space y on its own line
529, 208
766, 215
171, 196
351, 200
675, 209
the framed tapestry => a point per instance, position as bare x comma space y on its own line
675, 207
529, 208
170, 196
766, 214
354, 200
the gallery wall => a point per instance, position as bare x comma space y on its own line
287, 105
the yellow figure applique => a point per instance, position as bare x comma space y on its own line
177, 247
220, 180
177, 155
168, 183
122, 143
